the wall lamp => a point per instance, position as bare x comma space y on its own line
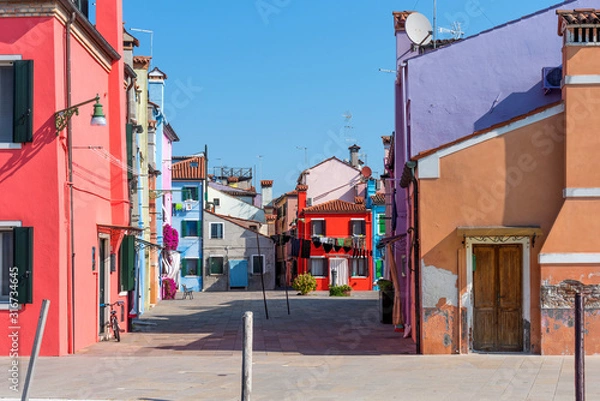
62, 117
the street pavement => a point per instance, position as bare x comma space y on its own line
327, 348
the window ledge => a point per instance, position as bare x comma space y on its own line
10, 145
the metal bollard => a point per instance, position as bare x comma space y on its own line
247, 358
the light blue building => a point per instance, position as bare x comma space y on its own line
188, 189
376, 203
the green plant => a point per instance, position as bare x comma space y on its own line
339, 290
305, 283
385, 285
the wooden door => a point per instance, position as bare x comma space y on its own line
497, 298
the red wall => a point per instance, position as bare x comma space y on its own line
338, 226
33, 181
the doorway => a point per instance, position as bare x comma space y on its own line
497, 297
103, 284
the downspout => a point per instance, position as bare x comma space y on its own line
71, 328
417, 254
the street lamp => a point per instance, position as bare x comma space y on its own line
62, 119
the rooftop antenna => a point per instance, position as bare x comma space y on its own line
456, 30
434, 23
151, 37
305, 155
418, 29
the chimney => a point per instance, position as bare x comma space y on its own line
301, 196
354, 155
404, 47
266, 190
574, 234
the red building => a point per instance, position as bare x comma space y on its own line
64, 203
334, 242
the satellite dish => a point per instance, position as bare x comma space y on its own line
366, 172
418, 28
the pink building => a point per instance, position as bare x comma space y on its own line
64, 208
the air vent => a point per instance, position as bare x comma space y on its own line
551, 78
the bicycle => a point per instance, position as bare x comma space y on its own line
114, 322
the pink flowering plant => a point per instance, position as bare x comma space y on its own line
169, 288
170, 238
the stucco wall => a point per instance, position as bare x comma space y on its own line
333, 179
237, 243
234, 207
511, 180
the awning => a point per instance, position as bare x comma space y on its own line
148, 243
126, 229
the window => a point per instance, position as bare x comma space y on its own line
258, 264
318, 267
189, 267
215, 265
317, 228
16, 265
216, 230
16, 100
359, 267
191, 228
381, 224
189, 193
217, 201
358, 227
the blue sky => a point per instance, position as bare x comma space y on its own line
260, 80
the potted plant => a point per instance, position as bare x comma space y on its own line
343, 290
304, 283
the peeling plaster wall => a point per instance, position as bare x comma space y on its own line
438, 284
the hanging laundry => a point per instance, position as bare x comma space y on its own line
316, 241
327, 247
347, 249
295, 247
305, 250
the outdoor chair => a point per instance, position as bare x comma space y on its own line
187, 292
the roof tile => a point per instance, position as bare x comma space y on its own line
336, 206
189, 169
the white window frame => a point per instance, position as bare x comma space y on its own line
208, 265
366, 263
325, 268
8, 225
7, 60
358, 235
210, 234
322, 220
262, 255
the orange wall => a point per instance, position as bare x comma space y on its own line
506, 181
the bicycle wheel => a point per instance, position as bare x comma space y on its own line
116, 330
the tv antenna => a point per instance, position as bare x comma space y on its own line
347, 117
151, 33
456, 31
418, 29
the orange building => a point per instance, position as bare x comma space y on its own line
508, 220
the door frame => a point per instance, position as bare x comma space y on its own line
467, 297
103, 275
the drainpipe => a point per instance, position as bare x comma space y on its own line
408, 177
71, 328
417, 255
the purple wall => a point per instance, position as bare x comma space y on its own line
483, 80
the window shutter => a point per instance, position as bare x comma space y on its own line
183, 228
127, 263
23, 251
381, 224
23, 101
199, 229
129, 141
194, 193
363, 227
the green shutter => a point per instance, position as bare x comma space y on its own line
381, 223
184, 232
127, 263
195, 193
23, 251
23, 101
199, 229
129, 140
